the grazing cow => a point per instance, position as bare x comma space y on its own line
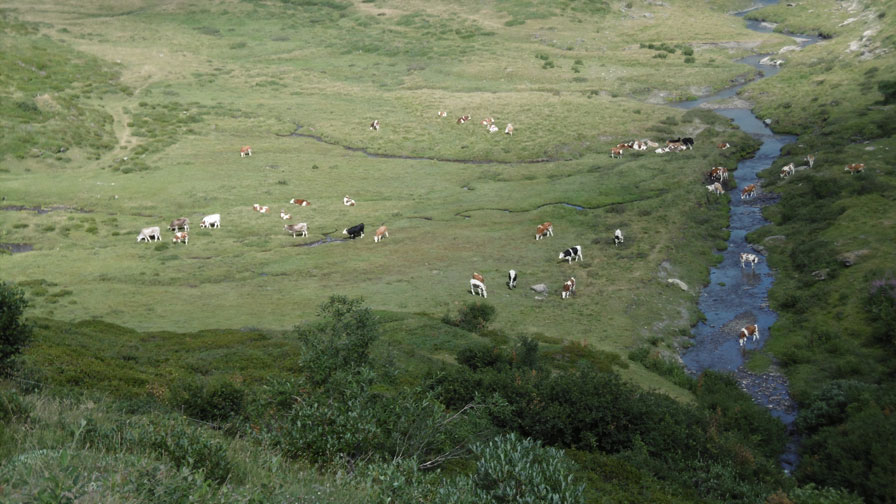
511, 279
210, 221
748, 192
616, 152
716, 188
246, 151
150, 234
477, 276
356, 231
569, 287
299, 228
488, 121
719, 174
181, 237
182, 223
348, 201
260, 208
462, 119
724, 145
381, 232
572, 253
748, 258
688, 142
623, 146
375, 125
442, 113
509, 129
745, 332
810, 158
788, 170
476, 285
546, 229
284, 215
855, 168
617, 237
300, 202
492, 128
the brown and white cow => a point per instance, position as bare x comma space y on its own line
375, 125
181, 237
788, 170
284, 215
245, 151
724, 145
715, 188
569, 287
442, 113
546, 229
348, 201
855, 168
810, 158
719, 174
182, 223
748, 192
745, 258
477, 287
298, 228
509, 129
462, 119
477, 276
381, 232
616, 152
747, 331
488, 121
261, 208
300, 202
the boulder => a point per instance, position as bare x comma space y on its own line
679, 283
852, 257
540, 288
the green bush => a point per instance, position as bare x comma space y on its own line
15, 332
474, 316
881, 310
210, 400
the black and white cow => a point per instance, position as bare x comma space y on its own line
688, 142
354, 231
572, 253
511, 279
617, 237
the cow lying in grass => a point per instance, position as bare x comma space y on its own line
855, 168
300, 202
260, 208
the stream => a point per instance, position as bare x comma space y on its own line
736, 296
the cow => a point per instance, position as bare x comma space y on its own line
356, 231
673, 141
569, 287
719, 174
616, 152
245, 151
748, 192
651, 144
855, 168
300, 202
260, 208
639, 145
623, 146
181, 237
210, 221
182, 223
284, 215
546, 229
724, 145
572, 253
675, 147
375, 125
299, 228
511, 279
688, 142
810, 158
477, 276
488, 121
748, 258
661, 150
492, 128
462, 119
381, 232
150, 234
348, 201
476, 285
716, 188
788, 170
509, 129
442, 113
617, 237
746, 331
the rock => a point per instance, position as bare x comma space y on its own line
679, 283
767, 122
774, 238
870, 147
540, 288
820, 274
760, 249
850, 258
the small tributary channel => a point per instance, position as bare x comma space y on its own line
737, 296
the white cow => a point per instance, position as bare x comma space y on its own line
745, 258
211, 221
150, 234
300, 228
476, 285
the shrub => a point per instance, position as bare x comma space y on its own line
881, 308
15, 332
475, 316
211, 400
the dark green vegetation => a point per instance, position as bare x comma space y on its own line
832, 239
161, 372
15, 332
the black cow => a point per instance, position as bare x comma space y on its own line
572, 253
354, 231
